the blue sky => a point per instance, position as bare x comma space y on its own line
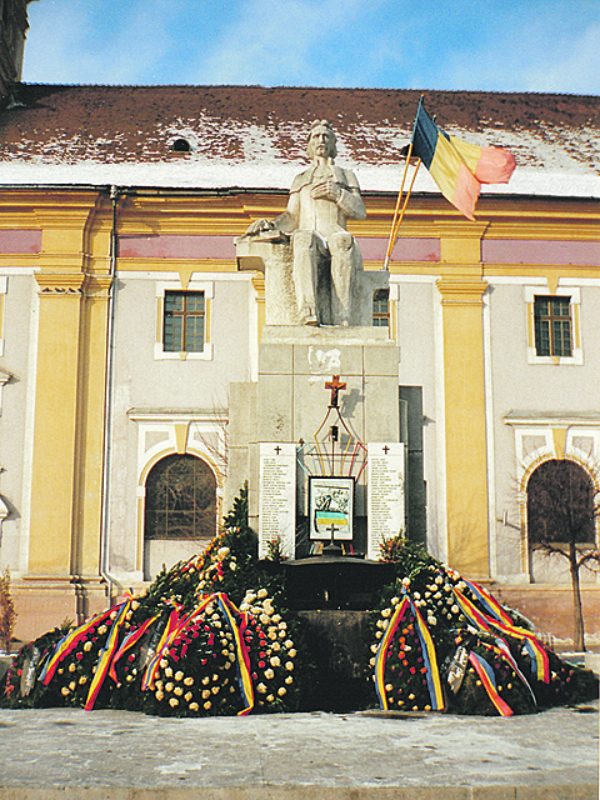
504, 45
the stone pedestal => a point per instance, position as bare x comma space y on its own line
289, 402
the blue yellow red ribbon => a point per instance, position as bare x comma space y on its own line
241, 652
489, 602
540, 663
106, 656
432, 674
67, 644
488, 681
434, 683
165, 640
128, 642
381, 655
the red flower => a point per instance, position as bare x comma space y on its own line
79, 656
262, 664
412, 670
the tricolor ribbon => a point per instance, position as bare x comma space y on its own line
106, 656
540, 663
128, 642
434, 684
163, 645
176, 625
504, 651
241, 652
488, 681
67, 644
489, 602
382, 651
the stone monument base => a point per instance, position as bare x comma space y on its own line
289, 402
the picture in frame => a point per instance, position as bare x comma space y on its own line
331, 508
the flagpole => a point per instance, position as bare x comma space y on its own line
407, 198
395, 223
391, 240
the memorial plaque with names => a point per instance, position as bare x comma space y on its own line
277, 498
386, 482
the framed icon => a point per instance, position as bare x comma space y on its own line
331, 508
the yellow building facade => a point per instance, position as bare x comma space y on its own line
95, 395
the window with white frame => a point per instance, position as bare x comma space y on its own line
183, 327
554, 326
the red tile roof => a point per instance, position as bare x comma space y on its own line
229, 125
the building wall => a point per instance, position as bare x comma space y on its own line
458, 313
19, 320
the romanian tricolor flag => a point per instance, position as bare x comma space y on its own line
458, 168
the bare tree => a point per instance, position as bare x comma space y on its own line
562, 509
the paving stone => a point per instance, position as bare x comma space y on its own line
117, 755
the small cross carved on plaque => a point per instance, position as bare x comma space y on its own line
278, 449
336, 386
386, 449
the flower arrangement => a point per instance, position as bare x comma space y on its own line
441, 642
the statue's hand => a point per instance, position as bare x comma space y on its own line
326, 190
258, 226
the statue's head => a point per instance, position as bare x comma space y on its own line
321, 140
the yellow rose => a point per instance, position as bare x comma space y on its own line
289, 665
194, 707
189, 681
65, 692
72, 685
159, 695
169, 686
270, 698
269, 674
173, 702
83, 680
275, 661
207, 705
169, 672
292, 653
187, 697
261, 688
281, 691
178, 691
87, 647
205, 694
179, 675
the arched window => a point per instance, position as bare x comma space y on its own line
560, 504
180, 499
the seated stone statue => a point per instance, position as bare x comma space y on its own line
325, 258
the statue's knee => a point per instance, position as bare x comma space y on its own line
304, 240
341, 242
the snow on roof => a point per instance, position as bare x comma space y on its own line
254, 138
